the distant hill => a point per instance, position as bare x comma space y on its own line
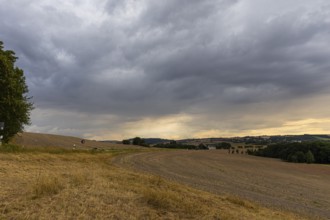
28, 139
263, 140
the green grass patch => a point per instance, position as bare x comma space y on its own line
10, 148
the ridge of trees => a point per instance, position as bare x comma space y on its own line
305, 152
176, 145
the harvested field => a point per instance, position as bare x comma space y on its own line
33, 140
301, 188
85, 185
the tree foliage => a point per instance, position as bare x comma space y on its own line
223, 145
306, 152
126, 142
309, 157
175, 145
139, 141
15, 105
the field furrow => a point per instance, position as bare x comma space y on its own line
301, 188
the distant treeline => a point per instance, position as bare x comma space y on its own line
223, 145
175, 145
306, 152
136, 141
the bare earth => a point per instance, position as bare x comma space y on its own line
301, 188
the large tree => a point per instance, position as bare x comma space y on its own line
15, 105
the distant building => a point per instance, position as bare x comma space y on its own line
211, 146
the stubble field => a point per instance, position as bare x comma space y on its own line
47, 179
301, 188
87, 185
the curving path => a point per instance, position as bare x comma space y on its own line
303, 188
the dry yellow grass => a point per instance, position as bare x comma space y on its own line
29, 140
39, 185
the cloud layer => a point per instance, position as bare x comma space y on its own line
112, 69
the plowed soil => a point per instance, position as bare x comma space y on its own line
301, 188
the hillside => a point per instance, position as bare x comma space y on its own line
28, 139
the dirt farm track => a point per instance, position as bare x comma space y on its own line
302, 188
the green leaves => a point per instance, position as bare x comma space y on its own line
15, 105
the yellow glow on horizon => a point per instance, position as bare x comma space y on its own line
298, 127
171, 127
177, 127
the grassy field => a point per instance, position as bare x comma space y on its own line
43, 183
36, 140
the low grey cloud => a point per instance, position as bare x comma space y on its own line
215, 60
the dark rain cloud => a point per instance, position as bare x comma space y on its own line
144, 58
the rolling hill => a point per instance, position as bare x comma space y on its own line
28, 139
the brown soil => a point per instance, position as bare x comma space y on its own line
301, 188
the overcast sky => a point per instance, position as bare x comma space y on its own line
109, 69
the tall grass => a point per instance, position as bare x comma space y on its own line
46, 186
